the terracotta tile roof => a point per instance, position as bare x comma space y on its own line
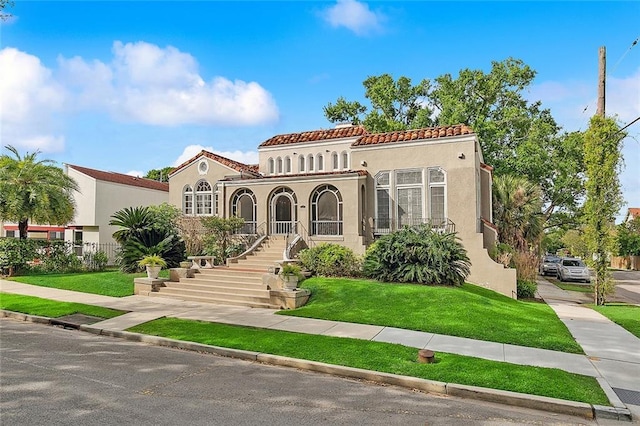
410, 135
634, 212
333, 173
315, 135
235, 165
122, 178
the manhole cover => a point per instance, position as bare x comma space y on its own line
75, 320
628, 396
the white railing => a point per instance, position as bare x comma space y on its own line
326, 227
387, 225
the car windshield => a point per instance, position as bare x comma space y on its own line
551, 259
572, 262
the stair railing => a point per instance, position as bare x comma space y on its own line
253, 241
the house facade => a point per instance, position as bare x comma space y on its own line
100, 195
348, 186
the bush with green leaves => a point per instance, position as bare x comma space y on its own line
95, 261
418, 255
526, 289
331, 260
15, 255
145, 232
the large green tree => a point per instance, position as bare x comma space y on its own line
518, 137
602, 157
161, 175
33, 189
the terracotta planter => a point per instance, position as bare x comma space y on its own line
153, 271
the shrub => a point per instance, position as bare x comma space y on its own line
14, 255
526, 289
95, 261
59, 257
331, 260
418, 255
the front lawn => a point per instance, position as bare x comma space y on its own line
626, 316
52, 308
108, 283
467, 311
384, 357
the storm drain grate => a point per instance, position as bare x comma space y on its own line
628, 396
75, 320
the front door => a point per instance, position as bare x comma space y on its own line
282, 216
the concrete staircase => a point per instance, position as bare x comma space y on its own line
239, 284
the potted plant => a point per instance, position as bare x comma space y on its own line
290, 274
154, 263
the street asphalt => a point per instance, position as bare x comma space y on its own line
612, 353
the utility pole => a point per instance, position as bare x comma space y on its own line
602, 76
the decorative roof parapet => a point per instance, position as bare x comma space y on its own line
415, 134
315, 135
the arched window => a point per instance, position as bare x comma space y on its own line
243, 204
271, 166
320, 162
326, 211
334, 161
287, 164
310, 162
301, 161
204, 199
279, 165
187, 200
345, 160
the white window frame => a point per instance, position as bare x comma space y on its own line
187, 204
200, 199
431, 185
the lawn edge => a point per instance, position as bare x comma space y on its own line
617, 410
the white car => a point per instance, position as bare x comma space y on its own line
570, 269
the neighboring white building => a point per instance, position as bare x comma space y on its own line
100, 195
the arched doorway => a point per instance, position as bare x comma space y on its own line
283, 211
243, 204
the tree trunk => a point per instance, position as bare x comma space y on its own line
23, 225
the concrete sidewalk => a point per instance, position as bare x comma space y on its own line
612, 350
614, 361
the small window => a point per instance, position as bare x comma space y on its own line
279, 165
345, 160
301, 161
334, 161
287, 165
320, 160
271, 166
310, 162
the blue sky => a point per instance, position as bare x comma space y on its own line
132, 86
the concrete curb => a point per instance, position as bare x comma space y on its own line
617, 411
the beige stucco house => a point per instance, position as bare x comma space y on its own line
347, 186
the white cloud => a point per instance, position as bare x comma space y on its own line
190, 151
135, 173
161, 86
355, 16
30, 98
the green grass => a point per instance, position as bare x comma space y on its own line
384, 357
626, 316
51, 308
467, 311
587, 288
108, 283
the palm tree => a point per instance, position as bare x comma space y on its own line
517, 206
36, 190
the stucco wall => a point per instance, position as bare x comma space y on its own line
85, 199
111, 197
295, 151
